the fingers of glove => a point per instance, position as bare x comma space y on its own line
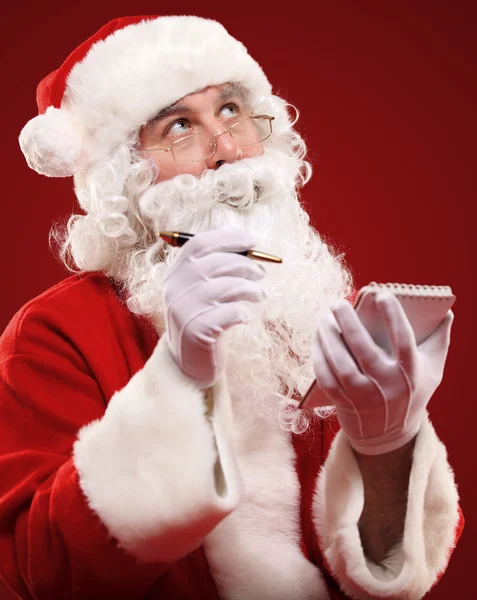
186, 279
220, 290
207, 326
202, 298
347, 410
228, 239
325, 377
219, 264
367, 354
338, 355
242, 290
437, 344
399, 329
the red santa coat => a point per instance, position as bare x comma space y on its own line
90, 510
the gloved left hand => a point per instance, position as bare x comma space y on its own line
380, 398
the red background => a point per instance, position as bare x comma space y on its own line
387, 95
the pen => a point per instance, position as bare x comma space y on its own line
178, 238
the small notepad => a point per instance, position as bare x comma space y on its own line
425, 306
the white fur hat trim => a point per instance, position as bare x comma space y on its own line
125, 80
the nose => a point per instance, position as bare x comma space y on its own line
226, 151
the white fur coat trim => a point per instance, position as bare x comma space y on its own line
255, 552
149, 467
431, 519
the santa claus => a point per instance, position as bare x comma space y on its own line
150, 444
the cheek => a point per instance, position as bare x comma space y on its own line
251, 151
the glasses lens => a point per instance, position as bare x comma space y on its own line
251, 131
192, 148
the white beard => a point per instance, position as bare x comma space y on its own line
269, 359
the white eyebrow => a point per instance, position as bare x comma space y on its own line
232, 89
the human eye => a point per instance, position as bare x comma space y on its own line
230, 111
177, 128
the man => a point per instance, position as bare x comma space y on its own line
150, 448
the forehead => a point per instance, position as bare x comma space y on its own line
203, 98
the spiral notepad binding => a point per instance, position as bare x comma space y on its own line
411, 290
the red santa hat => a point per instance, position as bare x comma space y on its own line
120, 78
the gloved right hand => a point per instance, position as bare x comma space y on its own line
204, 294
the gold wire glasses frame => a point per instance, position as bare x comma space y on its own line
185, 144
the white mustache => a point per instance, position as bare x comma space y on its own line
240, 185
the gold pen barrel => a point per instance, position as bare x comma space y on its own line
257, 255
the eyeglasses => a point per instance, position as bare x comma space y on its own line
198, 147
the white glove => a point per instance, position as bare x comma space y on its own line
380, 399
204, 294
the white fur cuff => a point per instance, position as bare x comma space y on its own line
150, 467
431, 520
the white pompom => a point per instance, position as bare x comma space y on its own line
51, 144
